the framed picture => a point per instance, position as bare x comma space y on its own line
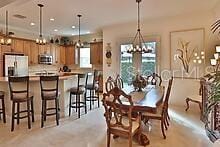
187, 53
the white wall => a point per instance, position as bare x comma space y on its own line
162, 27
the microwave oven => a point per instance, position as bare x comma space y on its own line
45, 59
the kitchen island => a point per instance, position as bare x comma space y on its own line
66, 81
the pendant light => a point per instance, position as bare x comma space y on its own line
79, 44
138, 44
41, 40
6, 40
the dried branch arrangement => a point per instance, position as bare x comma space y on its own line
185, 54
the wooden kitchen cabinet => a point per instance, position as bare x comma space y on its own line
62, 55
4, 49
17, 46
70, 55
33, 58
96, 53
45, 49
1, 68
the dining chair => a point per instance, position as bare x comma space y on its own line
49, 92
2, 109
77, 92
119, 82
154, 79
19, 92
93, 87
118, 123
109, 84
162, 111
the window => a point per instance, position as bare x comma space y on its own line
126, 64
148, 60
85, 58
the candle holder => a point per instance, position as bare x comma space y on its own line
216, 60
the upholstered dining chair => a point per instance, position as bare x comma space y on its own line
162, 111
118, 123
119, 82
154, 79
109, 84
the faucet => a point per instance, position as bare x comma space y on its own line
45, 71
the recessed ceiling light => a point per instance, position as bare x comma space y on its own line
72, 34
55, 30
32, 23
73, 27
52, 19
88, 32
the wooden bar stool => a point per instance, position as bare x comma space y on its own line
93, 88
19, 91
2, 109
49, 92
78, 91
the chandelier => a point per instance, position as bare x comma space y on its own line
216, 61
79, 44
41, 40
6, 40
138, 44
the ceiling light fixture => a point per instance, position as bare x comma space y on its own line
32, 24
52, 19
79, 44
6, 40
138, 45
55, 30
41, 40
73, 27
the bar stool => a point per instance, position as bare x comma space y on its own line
19, 91
49, 92
93, 88
2, 109
78, 91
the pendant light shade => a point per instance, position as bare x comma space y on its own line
138, 44
6, 40
79, 44
41, 40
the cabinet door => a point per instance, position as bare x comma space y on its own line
62, 55
34, 53
70, 55
4, 49
1, 68
96, 54
27, 51
18, 46
57, 51
100, 51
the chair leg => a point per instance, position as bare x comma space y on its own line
130, 141
32, 110
98, 98
78, 102
70, 104
13, 113
3, 110
57, 111
85, 103
93, 93
45, 110
90, 96
18, 113
108, 138
162, 128
28, 113
187, 104
42, 114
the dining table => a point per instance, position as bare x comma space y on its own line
146, 100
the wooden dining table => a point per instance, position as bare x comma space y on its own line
147, 100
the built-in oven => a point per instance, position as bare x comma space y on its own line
45, 59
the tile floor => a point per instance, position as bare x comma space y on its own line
186, 130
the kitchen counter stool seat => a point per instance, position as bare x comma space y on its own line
20, 94
2, 109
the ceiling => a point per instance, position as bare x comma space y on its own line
96, 13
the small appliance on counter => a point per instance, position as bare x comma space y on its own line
66, 69
45, 59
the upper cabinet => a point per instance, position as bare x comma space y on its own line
70, 55
17, 46
4, 49
45, 49
96, 53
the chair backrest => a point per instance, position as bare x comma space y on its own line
49, 84
19, 86
109, 84
119, 82
167, 96
154, 79
81, 81
94, 77
115, 111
